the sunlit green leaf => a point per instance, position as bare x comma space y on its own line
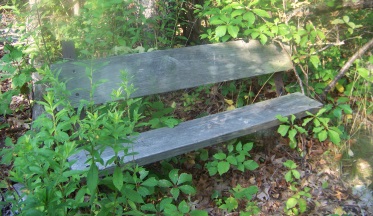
251, 165
220, 156
302, 205
334, 137
183, 207
187, 189
261, 13
322, 135
220, 31
250, 17
291, 203
184, 177
223, 167
233, 30
283, 129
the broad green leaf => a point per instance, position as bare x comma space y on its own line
322, 135
220, 156
235, 5
291, 203
254, 34
337, 21
175, 193
231, 203
148, 207
248, 146
118, 178
302, 205
250, 165
334, 137
164, 183
230, 148
170, 210
261, 13
92, 178
133, 195
346, 19
204, 154
282, 119
223, 167
216, 21
150, 182
198, 213
184, 207
306, 121
187, 189
184, 177
314, 59
174, 176
295, 173
164, 203
292, 133
263, 39
321, 35
233, 30
300, 129
303, 41
283, 129
239, 147
220, 31
337, 112
232, 160
318, 129
212, 170
240, 158
171, 122
290, 164
225, 38
237, 13
288, 176
252, 190
346, 108
366, 74
19, 81
250, 17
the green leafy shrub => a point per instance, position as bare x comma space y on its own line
14, 66
237, 157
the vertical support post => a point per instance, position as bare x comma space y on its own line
68, 50
280, 89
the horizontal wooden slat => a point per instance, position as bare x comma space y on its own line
164, 143
174, 69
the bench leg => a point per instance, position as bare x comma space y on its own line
280, 89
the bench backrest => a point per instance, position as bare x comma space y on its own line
169, 70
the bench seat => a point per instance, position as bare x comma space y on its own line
163, 143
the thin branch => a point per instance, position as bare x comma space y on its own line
345, 67
294, 69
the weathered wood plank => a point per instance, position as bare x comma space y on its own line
164, 143
174, 69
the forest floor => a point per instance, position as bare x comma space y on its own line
341, 181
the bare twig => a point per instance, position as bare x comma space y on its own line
294, 69
345, 67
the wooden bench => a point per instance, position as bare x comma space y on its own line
169, 70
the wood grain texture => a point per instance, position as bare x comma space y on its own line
174, 69
164, 143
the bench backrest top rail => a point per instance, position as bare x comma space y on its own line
169, 70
